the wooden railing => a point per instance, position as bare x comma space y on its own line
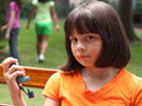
38, 77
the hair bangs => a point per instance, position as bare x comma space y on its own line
80, 22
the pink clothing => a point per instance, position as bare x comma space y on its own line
14, 6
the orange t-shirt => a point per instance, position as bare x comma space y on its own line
125, 89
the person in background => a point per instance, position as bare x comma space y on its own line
94, 74
43, 22
13, 26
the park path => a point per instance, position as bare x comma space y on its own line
138, 27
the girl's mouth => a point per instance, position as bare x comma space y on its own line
83, 56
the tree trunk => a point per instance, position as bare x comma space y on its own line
126, 15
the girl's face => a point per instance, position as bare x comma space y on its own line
86, 48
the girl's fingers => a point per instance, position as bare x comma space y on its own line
13, 71
15, 68
7, 62
14, 75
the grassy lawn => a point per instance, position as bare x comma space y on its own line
54, 57
135, 63
55, 54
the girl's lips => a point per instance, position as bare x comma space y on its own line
83, 56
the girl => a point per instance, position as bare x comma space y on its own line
13, 26
94, 73
45, 9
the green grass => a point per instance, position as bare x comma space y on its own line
55, 56
135, 63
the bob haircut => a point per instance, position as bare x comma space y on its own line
98, 17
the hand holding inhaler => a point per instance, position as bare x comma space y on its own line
21, 79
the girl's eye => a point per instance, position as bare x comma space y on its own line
90, 37
73, 40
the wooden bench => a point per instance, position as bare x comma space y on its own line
38, 77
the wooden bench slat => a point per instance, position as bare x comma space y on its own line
38, 76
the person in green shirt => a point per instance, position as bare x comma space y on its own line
43, 22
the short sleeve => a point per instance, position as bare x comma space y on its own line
138, 95
52, 87
52, 3
12, 6
35, 2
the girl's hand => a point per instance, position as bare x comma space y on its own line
3, 27
27, 26
58, 27
10, 75
7, 36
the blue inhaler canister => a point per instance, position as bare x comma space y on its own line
22, 79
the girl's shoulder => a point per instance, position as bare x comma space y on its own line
137, 81
51, 3
131, 81
35, 2
12, 3
65, 75
136, 84
133, 78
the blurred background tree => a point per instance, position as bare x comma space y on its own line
126, 15
3, 11
137, 13
130, 12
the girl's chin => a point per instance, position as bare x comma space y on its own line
87, 65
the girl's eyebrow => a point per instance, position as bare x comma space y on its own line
95, 34
71, 35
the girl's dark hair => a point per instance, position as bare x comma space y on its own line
18, 2
98, 17
43, 1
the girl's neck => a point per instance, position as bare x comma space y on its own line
96, 78
99, 73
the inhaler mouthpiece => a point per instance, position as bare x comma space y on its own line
22, 79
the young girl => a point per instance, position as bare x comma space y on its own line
94, 74
13, 26
43, 21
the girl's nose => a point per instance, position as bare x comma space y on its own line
81, 47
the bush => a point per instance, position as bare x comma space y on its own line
3, 9
25, 11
